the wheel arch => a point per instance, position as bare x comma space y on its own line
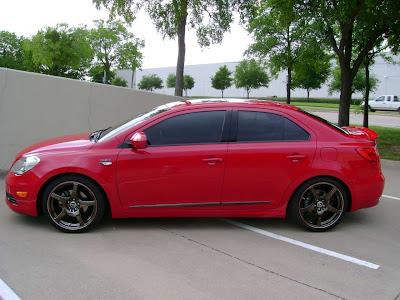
39, 206
316, 177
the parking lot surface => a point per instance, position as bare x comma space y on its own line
206, 258
381, 118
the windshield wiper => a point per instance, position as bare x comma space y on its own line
95, 136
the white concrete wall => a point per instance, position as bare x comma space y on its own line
34, 107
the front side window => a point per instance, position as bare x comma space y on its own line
192, 128
259, 126
381, 98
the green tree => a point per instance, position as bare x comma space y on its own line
130, 56
171, 80
61, 51
96, 74
279, 39
222, 79
211, 19
358, 84
311, 73
11, 51
188, 82
351, 28
119, 81
150, 83
114, 46
249, 74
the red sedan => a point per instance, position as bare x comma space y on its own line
207, 158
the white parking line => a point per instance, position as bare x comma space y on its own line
6, 293
390, 197
304, 245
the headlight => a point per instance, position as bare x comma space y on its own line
24, 164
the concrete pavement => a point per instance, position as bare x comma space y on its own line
203, 258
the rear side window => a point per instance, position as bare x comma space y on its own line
193, 128
293, 132
259, 126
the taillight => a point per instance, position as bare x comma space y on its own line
368, 153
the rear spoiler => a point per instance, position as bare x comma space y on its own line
361, 133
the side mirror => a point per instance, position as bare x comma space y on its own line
139, 140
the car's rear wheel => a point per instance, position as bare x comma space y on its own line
73, 203
319, 204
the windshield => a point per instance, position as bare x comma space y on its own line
113, 131
323, 121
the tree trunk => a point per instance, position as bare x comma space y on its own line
366, 95
345, 96
248, 93
107, 68
308, 95
133, 75
222, 91
181, 57
288, 85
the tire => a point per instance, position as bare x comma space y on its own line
319, 204
398, 110
73, 203
370, 109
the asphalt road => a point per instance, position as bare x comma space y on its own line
204, 258
385, 119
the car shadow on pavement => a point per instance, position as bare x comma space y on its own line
108, 224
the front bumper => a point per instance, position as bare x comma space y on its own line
27, 183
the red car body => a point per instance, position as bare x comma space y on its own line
227, 178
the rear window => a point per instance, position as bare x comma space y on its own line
337, 128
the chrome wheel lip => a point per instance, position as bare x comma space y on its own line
51, 201
335, 216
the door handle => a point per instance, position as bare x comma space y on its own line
296, 157
212, 160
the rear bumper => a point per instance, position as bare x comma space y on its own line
28, 183
368, 193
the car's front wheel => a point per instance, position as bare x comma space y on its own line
319, 204
370, 109
73, 203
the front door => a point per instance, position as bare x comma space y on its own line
183, 165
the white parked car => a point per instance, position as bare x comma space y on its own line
385, 102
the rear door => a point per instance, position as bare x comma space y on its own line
395, 103
269, 152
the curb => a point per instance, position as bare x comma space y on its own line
390, 163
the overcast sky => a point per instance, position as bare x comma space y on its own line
27, 17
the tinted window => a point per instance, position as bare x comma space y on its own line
259, 126
381, 98
193, 128
395, 99
294, 132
